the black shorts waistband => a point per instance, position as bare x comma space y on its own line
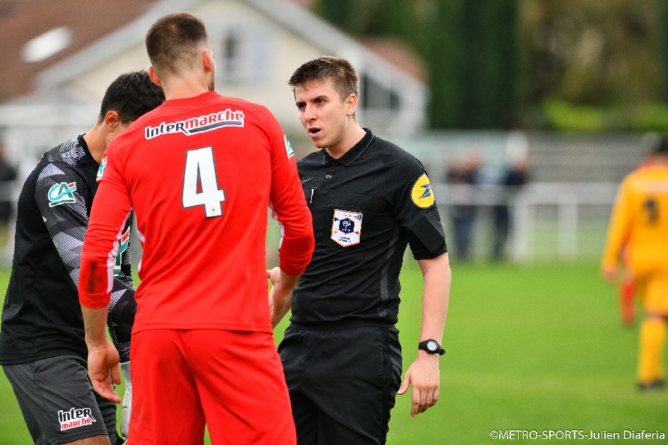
342, 324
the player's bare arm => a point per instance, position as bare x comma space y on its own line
102, 355
424, 374
280, 297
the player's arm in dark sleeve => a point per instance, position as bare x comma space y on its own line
122, 305
66, 220
123, 271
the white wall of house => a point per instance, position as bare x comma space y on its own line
257, 45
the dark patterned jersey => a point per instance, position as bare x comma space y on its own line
41, 316
367, 206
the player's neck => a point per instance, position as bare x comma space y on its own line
184, 87
96, 142
353, 134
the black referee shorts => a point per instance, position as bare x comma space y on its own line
58, 402
342, 382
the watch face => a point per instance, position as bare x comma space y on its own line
432, 345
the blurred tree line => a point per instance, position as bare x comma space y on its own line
574, 65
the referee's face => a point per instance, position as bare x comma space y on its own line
323, 114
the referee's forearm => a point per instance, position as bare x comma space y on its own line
435, 296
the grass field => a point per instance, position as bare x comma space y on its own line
528, 348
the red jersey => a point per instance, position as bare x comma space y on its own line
199, 173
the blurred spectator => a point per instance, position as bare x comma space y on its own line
511, 182
7, 177
463, 215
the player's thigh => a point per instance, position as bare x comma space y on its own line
242, 387
30, 420
656, 295
165, 403
58, 401
97, 440
353, 378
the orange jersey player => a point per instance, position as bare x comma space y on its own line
639, 225
627, 284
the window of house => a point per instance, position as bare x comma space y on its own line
46, 45
376, 96
245, 56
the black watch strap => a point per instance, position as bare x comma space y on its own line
432, 347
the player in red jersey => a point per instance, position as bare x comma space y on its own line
199, 173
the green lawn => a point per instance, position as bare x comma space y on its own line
528, 348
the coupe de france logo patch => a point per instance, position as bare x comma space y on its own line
100, 171
346, 227
422, 194
62, 194
288, 147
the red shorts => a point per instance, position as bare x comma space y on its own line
231, 380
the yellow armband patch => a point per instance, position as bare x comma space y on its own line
422, 194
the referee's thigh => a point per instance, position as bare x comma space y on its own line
347, 377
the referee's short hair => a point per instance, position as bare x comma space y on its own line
343, 74
174, 42
131, 95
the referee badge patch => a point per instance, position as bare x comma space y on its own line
422, 194
346, 227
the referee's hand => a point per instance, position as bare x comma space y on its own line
103, 369
425, 378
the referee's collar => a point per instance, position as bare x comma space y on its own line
352, 154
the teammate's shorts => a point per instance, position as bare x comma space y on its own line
342, 382
58, 402
231, 380
655, 294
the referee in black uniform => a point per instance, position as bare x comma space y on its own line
369, 199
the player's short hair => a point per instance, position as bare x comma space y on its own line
173, 42
343, 74
131, 95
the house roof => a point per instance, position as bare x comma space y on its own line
100, 32
23, 20
398, 53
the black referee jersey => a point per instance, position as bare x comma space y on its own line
41, 316
366, 206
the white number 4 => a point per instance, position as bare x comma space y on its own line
200, 185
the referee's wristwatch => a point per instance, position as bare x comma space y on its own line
432, 347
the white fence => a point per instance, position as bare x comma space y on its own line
548, 220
